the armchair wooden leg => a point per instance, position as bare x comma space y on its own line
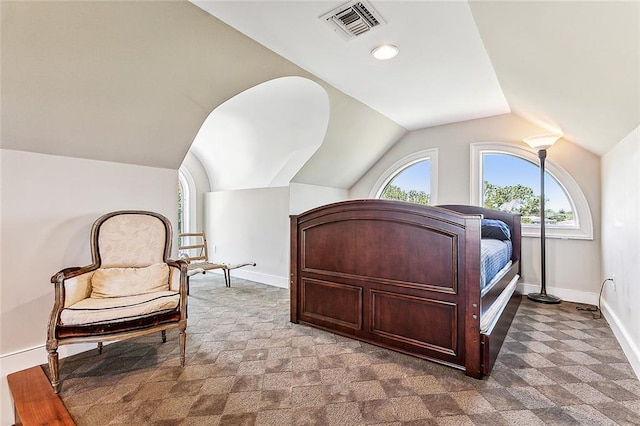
164, 336
52, 349
183, 345
100, 348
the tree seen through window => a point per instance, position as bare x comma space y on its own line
512, 184
411, 184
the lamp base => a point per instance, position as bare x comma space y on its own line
543, 298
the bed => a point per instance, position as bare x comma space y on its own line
407, 277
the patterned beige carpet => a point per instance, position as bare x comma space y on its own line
247, 364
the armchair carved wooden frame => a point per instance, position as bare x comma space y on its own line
131, 288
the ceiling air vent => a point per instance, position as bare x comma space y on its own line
353, 19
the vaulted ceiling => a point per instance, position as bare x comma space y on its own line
568, 66
133, 82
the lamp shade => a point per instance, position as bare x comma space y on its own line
541, 141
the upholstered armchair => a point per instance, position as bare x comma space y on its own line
129, 290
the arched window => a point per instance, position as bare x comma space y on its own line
507, 177
412, 178
186, 201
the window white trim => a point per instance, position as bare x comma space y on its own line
584, 223
188, 186
396, 168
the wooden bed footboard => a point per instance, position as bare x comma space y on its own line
398, 275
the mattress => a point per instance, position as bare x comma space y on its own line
494, 256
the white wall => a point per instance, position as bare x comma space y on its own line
573, 266
306, 197
250, 225
253, 225
621, 243
48, 206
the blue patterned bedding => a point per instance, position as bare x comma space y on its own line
494, 255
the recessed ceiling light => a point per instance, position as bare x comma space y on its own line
384, 52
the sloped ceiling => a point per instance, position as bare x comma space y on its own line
442, 74
572, 65
133, 82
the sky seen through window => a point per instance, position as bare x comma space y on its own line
498, 169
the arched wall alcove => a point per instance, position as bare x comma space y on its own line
261, 137
251, 147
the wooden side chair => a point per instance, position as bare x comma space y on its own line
130, 289
193, 248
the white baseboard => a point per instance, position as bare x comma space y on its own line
260, 277
251, 275
620, 331
568, 295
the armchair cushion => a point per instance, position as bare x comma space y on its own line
132, 240
122, 282
77, 288
94, 310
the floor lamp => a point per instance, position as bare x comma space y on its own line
541, 143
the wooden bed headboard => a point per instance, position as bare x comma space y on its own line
371, 268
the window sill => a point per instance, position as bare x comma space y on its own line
561, 234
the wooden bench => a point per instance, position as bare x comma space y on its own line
34, 401
199, 261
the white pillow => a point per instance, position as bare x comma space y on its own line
119, 282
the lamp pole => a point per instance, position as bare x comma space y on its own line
542, 142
